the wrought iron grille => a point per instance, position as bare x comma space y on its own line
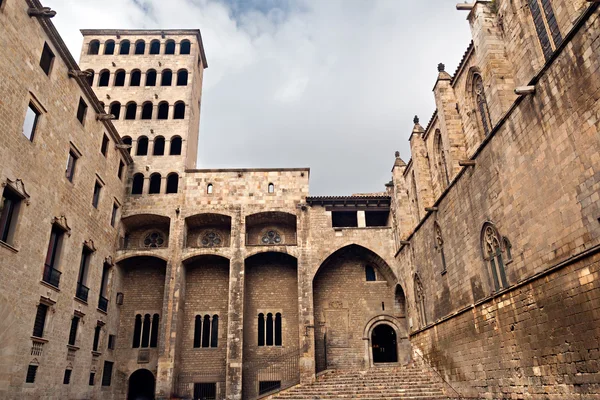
51, 275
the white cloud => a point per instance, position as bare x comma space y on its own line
328, 84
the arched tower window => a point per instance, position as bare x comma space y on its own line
172, 183
142, 146
147, 110
170, 47
135, 78
206, 331
491, 249
140, 47
130, 111
483, 111
184, 47
138, 184
179, 111
104, 78
109, 47
278, 339
155, 180
197, 331
163, 110
167, 78
125, 47
151, 77
271, 188
442, 166
115, 109
155, 47
94, 47
214, 332
261, 329
154, 331
209, 188
175, 146
146, 331
420, 300
439, 245
182, 77
269, 329
120, 78
159, 146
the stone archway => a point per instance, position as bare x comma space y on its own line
384, 344
141, 385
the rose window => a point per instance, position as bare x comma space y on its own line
154, 239
211, 239
271, 237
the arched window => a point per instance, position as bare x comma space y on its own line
184, 47
269, 329
120, 78
163, 110
125, 47
439, 245
170, 47
127, 141
90, 77
146, 331
420, 300
370, 273
172, 183
507, 249
214, 333
483, 111
175, 146
155, 180
138, 184
137, 331
197, 331
546, 26
130, 111
440, 156
154, 331
151, 77
109, 47
142, 146
278, 329
159, 146
155, 47
182, 77
166, 78
261, 329
136, 78
147, 110
115, 109
94, 47
140, 47
104, 78
206, 331
179, 112
271, 188
491, 249
209, 188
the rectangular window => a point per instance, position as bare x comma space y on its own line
96, 337
73, 331
104, 147
51, 273
107, 373
97, 189
31, 120
67, 378
377, 218
81, 110
31, 372
9, 210
121, 168
82, 289
71, 161
111, 342
92, 378
113, 217
102, 299
344, 219
40, 320
47, 59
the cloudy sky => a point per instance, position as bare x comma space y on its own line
328, 84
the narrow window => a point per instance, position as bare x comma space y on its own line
120, 78
96, 342
135, 78
440, 154
163, 110
82, 111
104, 78
31, 372
127, 142
111, 342
94, 47
182, 77
104, 146
179, 112
170, 47
155, 47
175, 146
214, 332
102, 298
82, 290
147, 110
125, 47
120, 169
492, 253
154, 331
209, 188
172, 183
370, 273
40, 320
206, 331
184, 47
92, 378
146, 331
96, 197
137, 331
138, 184
51, 273
67, 377
261, 329
9, 211
130, 111
31, 120
269, 326
90, 77
113, 216
47, 59
278, 338
107, 373
197, 331
109, 47
546, 26
154, 184
140, 47
482, 107
507, 249
151, 78
439, 246
159, 146
73, 330
167, 78
420, 300
271, 188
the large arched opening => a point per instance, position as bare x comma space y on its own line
384, 344
141, 385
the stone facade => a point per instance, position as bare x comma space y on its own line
479, 260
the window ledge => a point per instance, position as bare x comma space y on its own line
102, 311
341, 228
50, 286
9, 247
96, 353
80, 300
72, 347
37, 339
444, 272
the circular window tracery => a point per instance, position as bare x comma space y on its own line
211, 239
154, 240
271, 237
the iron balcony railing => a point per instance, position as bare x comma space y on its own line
51, 275
103, 303
82, 292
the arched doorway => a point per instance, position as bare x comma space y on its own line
141, 385
384, 344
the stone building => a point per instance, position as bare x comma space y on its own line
129, 273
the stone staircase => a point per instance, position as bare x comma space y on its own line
408, 383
